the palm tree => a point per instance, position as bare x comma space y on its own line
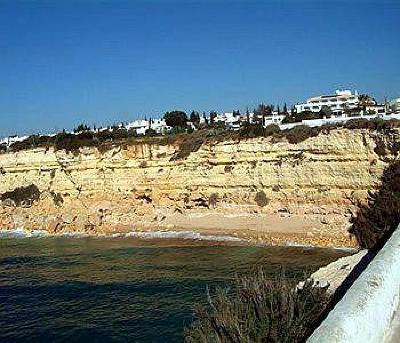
365, 100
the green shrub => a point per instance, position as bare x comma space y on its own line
190, 142
259, 309
22, 195
298, 117
261, 199
187, 146
300, 133
252, 131
271, 129
3, 147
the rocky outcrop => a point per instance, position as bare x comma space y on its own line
142, 186
334, 274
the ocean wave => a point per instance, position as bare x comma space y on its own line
21, 233
178, 234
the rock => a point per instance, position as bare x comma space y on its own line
108, 183
56, 225
67, 218
95, 220
336, 272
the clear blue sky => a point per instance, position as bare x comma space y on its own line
66, 62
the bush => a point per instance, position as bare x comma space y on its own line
187, 146
375, 222
3, 147
298, 117
251, 131
376, 124
22, 195
261, 199
300, 133
150, 133
259, 309
271, 129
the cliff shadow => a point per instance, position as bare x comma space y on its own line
372, 226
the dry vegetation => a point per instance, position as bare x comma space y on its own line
191, 142
259, 309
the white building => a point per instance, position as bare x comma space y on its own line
337, 103
275, 118
230, 119
142, 125
394, 105
375, 109
12, 139
160, 126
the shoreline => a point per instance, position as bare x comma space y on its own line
247, 236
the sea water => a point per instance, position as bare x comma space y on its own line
136, 289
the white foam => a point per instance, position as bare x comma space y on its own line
180, 235
21, 233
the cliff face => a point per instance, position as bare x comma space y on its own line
142, 186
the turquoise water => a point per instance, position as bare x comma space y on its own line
123, 289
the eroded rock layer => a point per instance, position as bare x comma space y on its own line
259, 181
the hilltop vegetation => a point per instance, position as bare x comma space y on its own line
187, 139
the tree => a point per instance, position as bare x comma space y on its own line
176, 119
213, 115
325, 112
81, 128
150, 132
365, 100
195, 118
285, 108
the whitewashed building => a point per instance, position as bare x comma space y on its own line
274, 118
142, 125
341, 100
394, 105
12, 139
230, 119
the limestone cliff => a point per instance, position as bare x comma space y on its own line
143, 186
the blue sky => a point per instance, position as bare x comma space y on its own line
66, 62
